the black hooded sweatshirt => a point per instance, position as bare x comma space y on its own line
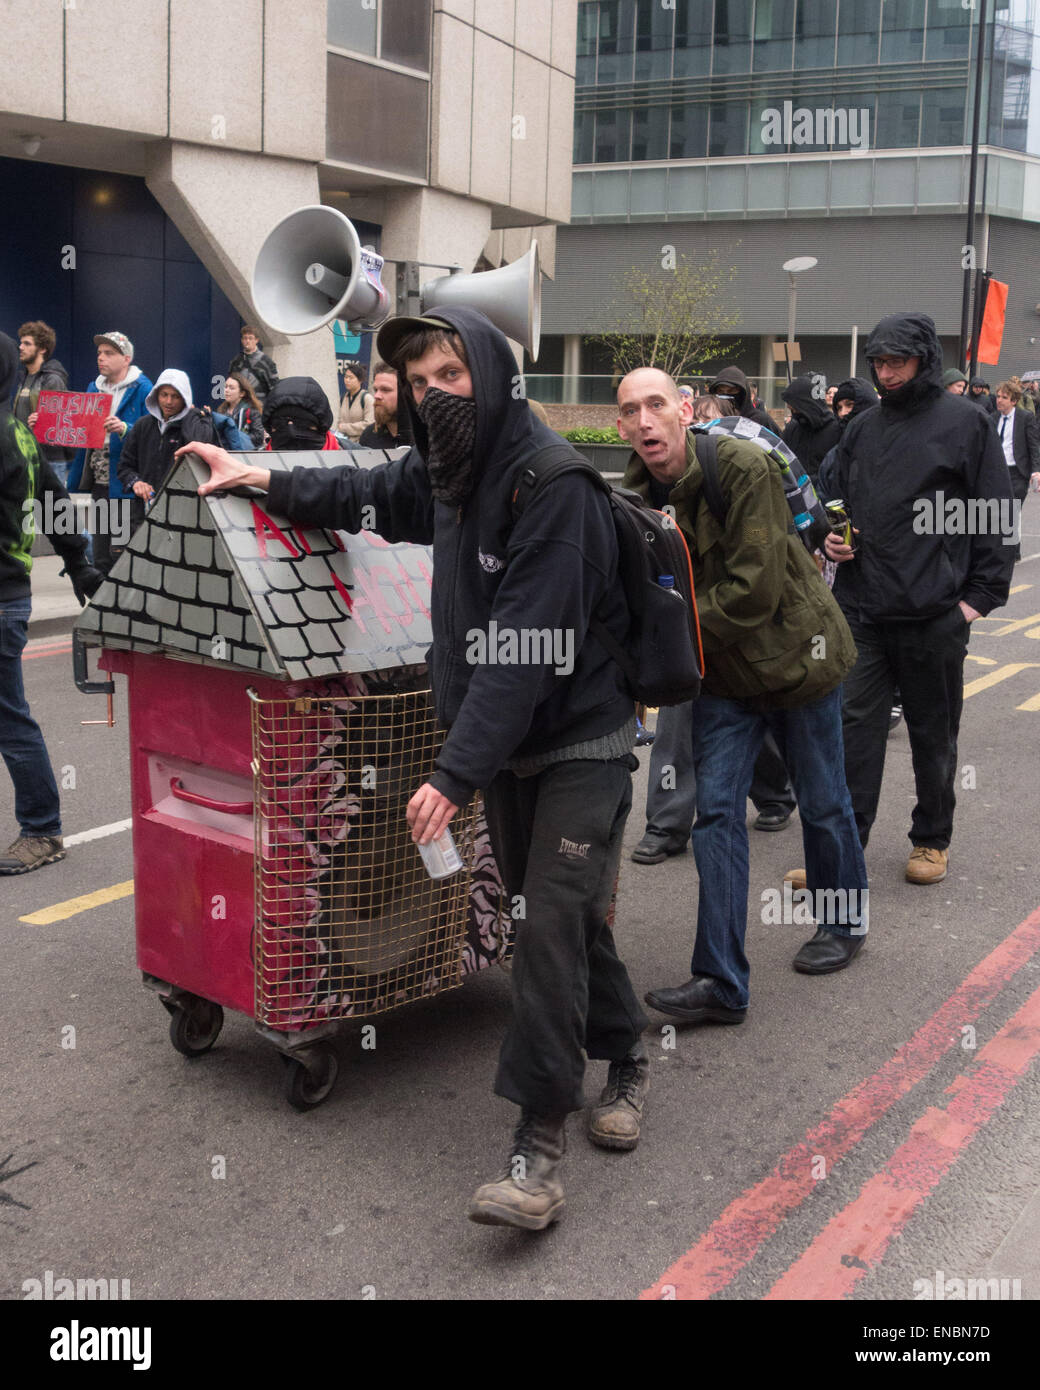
733, 376
25, 475
812, 430
860, 393
550, 570
919, 443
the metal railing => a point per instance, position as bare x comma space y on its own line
559, 388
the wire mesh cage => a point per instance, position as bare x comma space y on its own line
348, 923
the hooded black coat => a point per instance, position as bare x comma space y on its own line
812, 429
733, 376
920, 444
863, 397
551, 570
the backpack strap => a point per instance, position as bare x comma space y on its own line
548, 463
707, 456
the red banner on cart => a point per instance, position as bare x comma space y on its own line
72, 419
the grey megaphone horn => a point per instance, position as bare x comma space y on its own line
312, 269
511, 297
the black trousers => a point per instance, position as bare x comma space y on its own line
925, 660
557, 840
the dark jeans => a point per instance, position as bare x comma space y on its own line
557, 840
926, 661
727, 736
36, 806
671, 798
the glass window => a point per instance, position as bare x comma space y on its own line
774, 35
894, 182
613, 136
809, 185
852, 126
585, 70
350, 26
850, 183
902, 31
584, 136
687, 189
357, 131
405, 33
942, 117
726, 189
766, 134
689, 137
650, 133
588, 25
653, 41
649, 197
692, 38
767, 187
728, 128
949, 30
616, 40
898, 120
939, 180
731, 51
815, 26
859, 24
610, 194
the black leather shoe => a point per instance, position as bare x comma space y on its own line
694, 1002
827, 952
653, 850
772, 818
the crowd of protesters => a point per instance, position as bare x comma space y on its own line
811, 666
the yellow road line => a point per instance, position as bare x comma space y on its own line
71, 906
995, 677
982, 660
1030, 705
1005, 628
1018, 588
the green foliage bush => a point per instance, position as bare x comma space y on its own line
592, 436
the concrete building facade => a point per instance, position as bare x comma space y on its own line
153, 136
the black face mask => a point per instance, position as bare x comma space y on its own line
451, 423
300, 431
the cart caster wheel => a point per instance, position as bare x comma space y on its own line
308, 1084
194, 1031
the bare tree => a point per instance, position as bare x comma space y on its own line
670, 316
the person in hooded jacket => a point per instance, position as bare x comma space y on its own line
172, 419
978, 391
297, 415
548, 740
851, 399
913, 583
812, 429
29, 490
732, 384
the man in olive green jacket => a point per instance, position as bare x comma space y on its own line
776, 649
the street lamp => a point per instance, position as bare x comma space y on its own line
794, 267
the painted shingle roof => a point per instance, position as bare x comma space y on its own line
224, 579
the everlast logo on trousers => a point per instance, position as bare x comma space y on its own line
573, 850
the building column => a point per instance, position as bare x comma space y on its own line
224, 203
571, 368
767, 368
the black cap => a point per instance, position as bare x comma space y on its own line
390, 335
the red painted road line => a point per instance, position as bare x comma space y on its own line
854, 1242
45, 651
735, 1237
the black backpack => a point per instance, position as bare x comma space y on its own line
662, 658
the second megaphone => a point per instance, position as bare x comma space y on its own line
312, 269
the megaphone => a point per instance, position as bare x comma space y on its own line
511, 297
312, 269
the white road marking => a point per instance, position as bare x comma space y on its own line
98, 833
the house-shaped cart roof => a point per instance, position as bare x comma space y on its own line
224, 579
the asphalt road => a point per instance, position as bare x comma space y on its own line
849, 1140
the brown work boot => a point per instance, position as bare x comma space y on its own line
926, 865
614, 1122
31, 852
529, 1195
796, 878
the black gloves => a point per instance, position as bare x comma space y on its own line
86, 580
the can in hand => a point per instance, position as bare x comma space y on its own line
841, 522
440, 856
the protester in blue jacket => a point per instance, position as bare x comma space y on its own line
96, 470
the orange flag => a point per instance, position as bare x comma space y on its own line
992, 333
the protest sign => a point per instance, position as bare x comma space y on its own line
72, 419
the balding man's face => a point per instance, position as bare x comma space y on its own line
653, 418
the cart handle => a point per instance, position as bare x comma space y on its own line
233, 808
